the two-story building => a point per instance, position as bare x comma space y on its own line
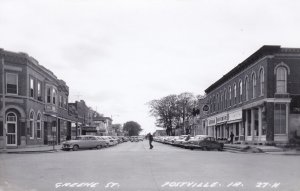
36, 102
258, 100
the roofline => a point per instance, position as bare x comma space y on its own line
260, 53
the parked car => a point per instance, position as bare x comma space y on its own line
110, 140
180, 140
105, 140
134, 139
82, 142
208, 143
195, 140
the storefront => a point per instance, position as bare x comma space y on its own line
88, 130
234, 125
221, 121
211, 125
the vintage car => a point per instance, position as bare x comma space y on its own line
180, 140
207, 143
195, 140
83, 142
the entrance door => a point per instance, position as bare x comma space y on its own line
11, 124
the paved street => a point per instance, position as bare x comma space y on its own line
132, 166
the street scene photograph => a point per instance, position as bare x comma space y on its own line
149, 95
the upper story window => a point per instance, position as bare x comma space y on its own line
241, 90
48, 95
261, 81
217, 101
229, 92
39, 91
60, 101
11, 83
253, 85
214, 104
281, 79
225, 98
221, 101
65, 103
31, 90
247, 88
54, 96
234, 92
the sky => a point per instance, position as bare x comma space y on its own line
117, 55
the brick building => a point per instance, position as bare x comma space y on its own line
258, 100
36, 102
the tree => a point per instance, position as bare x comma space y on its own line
164, 110
132, 128
174, 111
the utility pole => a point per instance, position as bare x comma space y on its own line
3, 106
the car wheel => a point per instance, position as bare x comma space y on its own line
98, 146
75, 147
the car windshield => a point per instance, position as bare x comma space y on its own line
78, 138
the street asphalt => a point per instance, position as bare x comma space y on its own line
134, 167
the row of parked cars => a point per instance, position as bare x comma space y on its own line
92, 141
203, 142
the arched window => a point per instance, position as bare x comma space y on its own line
225, 98
234, 93
281, 78
229, 92
221, 100
261, 81
38, 126
31, 125
11, 125
218, 101
214, 103
253, 85
247, 88
241, 90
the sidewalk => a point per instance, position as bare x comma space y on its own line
261, 149
33, 149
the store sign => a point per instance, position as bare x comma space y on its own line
236, 115
211, 121
221, 119
89, 129
205, 108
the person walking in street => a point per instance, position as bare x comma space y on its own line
231, 138
150, 140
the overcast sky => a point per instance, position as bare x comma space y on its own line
118, 55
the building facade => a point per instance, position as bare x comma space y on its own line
36, 103
258, 100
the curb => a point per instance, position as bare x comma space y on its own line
27, 152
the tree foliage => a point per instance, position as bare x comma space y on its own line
173, 111
132, 128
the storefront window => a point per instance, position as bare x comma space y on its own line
31, 125
249, 123
38, 126
280, 119
256, 131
